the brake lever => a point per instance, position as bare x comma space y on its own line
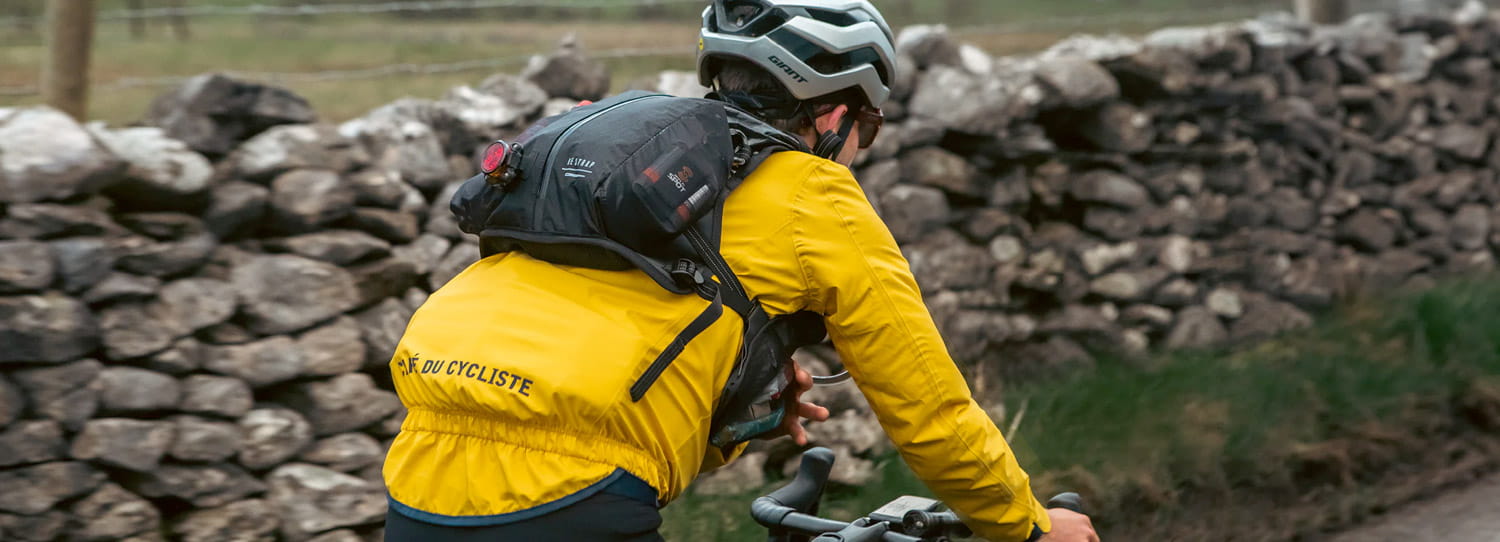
831, 379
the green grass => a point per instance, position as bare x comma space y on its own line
1213, 420
345, 42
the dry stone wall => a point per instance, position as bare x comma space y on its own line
196, 313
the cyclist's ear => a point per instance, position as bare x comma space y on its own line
829, 122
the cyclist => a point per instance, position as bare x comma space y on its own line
515, 372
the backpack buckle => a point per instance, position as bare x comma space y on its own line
686, 273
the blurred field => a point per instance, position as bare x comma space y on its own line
320, 43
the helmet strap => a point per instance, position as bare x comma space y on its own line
830, 143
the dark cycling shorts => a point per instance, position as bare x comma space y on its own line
606, 517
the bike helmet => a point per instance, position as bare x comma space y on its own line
788, 37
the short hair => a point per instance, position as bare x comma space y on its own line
735, 74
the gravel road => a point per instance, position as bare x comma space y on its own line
1468, 515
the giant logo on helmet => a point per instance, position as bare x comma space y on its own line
788, 69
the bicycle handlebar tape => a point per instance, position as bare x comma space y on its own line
1068, 501
803, 492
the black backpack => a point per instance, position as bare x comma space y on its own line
639, 180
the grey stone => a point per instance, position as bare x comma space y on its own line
501, 100
160, 173
946, 261
136, 445
1471, 227
381, 327
46, 328
1175, 293
342, 403
933, 166
424, 253
1367, 230
272, 436
1077, 82
116, 287
51, 221
313, 500
382, 279
36, 489
927, 46
378, 187
334, 349
199, 303
1109, 188
128, 389
304, 200
12, 402
1463, 140
974, 104
112, 513
216, 395
281, 149
409, 148
338, 247
1100, 258
46, 155
183, 357
1197, 327
1117, 127
82, 262
1292, 211
203, 486
341, 535
460, 257
439, 220
31, 442
260, 363
44, 527
1266, 317
567, 73
739, 477
144, 256
235, 208
1006, 249
281, 294
213, 113
912, 212
391, 225
1225, 302
1176, 253
200, 439
1127, 285
25, 266
345, 452
250, 520
134, 330
1112, 224
1158, 318
68, 394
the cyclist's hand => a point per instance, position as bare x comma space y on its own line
1070, 526
792, 425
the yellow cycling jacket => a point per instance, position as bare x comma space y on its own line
517, 372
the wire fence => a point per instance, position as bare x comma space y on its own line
1137, 20
305, 10
1083, 21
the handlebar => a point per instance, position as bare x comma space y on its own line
793, 508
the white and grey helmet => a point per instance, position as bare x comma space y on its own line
787, 37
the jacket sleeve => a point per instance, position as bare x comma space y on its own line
858, 279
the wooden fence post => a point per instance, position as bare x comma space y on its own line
70, 35
1323, 11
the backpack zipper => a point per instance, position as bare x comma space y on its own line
536, 222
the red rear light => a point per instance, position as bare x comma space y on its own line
494, 157
499, 163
